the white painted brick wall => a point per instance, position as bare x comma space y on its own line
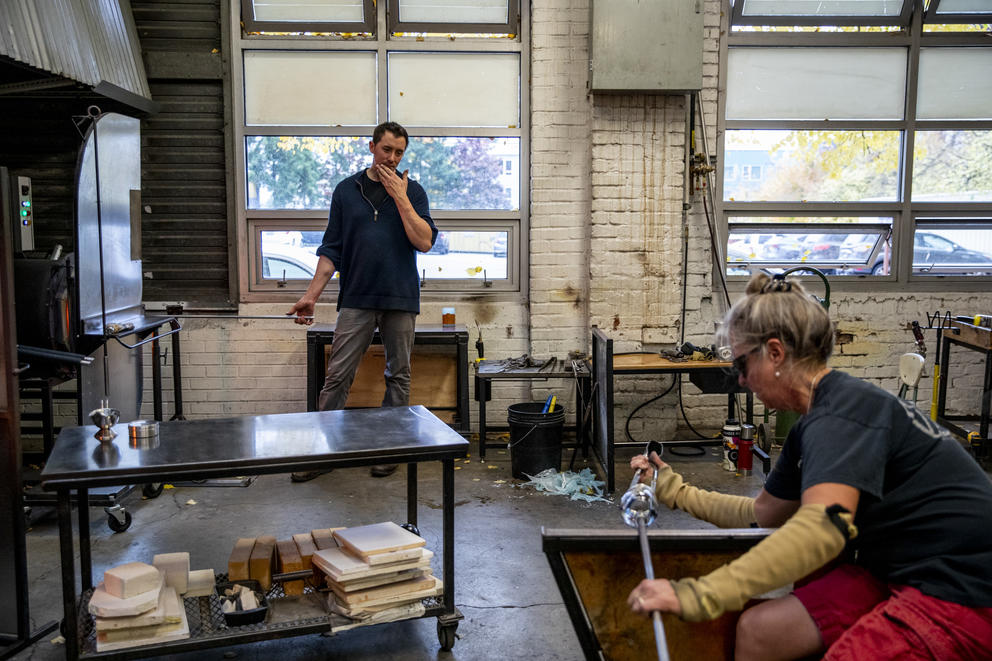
605, 250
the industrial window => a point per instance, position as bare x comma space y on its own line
315, 79
857, 138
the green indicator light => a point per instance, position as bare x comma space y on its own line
24, 212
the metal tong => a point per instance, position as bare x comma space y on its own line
639, 508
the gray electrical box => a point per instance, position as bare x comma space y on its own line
648, 46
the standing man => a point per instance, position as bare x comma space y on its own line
379, 219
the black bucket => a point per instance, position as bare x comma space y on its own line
535, 438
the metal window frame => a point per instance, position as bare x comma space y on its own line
737, 17
903, 211
252, 25
515, 222
511, 27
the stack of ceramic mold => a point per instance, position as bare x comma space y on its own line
140, 604
380, 571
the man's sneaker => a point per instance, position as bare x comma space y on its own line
383, 470
306, 476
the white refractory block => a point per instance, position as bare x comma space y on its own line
201, 583
128, 580
175, 566
104, 604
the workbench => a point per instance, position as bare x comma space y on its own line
595, 570
710, 376
249, 445
974, 338
321, 336
487, 371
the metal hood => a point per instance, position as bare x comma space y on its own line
58, 44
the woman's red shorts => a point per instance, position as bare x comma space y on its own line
860, 617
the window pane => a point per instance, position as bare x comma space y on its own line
461, 255
324, 11
955, 83
793, 166
300, 172
938, 251
453, 11
289, 255
964, 7
952, 166
466, 173
821, 7
834, 244
816, 83
475, 89
280, 89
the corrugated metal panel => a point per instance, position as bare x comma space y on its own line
89, 41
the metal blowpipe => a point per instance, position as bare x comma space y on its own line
639, 508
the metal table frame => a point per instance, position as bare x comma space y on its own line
320, 335
604, 368
483, 393
74, 466
963, 424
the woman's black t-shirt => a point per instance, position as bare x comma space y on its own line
925, 513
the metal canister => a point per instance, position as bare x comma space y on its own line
744, 456
731, 436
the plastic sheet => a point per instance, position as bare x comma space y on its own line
578, 486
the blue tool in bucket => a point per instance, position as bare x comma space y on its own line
535, 436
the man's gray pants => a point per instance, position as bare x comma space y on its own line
352, 338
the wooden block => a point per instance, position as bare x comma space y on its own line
262, 560
166, 611
391, 557
201, 583
104, 604
306, 547
131, 579
143, 635
342, 566
237, 564
383, 593
377, 538
323, 538
433, 587
175, 566
290, 561
374, 581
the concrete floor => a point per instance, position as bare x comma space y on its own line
503, 585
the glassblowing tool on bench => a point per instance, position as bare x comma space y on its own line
639, 508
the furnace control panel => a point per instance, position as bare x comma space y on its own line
25, 210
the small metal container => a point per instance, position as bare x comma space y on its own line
142, 434
142, 428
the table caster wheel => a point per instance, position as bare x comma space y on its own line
153, 490
412, 528
119, 526
446, 635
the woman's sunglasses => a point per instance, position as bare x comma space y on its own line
740, 362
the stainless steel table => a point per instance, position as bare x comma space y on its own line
253, 445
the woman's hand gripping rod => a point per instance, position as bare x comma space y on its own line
639, 508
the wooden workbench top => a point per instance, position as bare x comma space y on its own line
657, 362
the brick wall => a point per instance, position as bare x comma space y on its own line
605, 250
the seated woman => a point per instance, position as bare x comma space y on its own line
891, 509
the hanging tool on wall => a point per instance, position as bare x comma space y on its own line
639, 508
479, 347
